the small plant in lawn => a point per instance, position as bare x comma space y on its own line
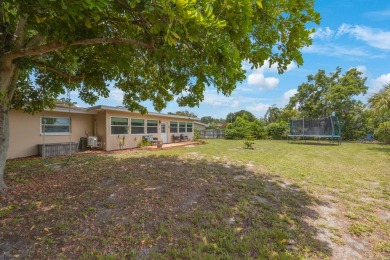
359, 228
383, 246
249, 142
351, 215
5, 211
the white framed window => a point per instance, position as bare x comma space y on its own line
55, 125
119, 125
173, 127
182, 127
189, 127
137, 126
152, 126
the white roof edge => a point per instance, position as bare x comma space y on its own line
102, 107
200, 123
73, 111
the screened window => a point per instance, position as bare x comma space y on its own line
137, 126
55, 125
182, 127
152, 126
119, 125
173, 126
189, 127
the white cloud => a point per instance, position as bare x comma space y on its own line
116, 95
336, 50
374, 37
211, 97
257, 108
343, 29
323, 34
289, 93
292, 66
379, 14
377, 84
362, 69
257, 78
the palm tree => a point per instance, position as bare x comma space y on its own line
273, 114
381, 101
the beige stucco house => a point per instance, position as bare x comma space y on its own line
108, 124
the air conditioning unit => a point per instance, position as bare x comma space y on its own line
92, 141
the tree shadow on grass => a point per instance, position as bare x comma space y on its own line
380, 148
315, 143
156, 206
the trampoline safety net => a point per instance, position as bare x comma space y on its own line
315, 127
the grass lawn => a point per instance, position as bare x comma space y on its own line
278, 201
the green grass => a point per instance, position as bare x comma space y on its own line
214, 201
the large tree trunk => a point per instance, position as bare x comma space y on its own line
8, 77
4, 143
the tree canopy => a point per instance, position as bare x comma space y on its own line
323, 94
184, 113
231, 117
381, 101
151, 50
160, 50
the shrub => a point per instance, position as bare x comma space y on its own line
277, 131
248, 143
196, 134
382, 133
144, 143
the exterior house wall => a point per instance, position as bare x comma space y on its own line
100, 128
25, 131
170, 133
132, 140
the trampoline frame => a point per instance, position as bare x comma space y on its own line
332, 137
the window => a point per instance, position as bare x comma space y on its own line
152, 126
137, 126
119, 125
55, 125
189, 127
173, 126
182, 127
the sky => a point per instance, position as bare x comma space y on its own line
351, 34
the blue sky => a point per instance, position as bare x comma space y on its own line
352, 34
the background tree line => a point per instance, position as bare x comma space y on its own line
321, 95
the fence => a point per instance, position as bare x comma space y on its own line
212, 134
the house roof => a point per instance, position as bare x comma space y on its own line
202, 124
95, 109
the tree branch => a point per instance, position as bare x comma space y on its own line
59, 72
44, 49
19, 33
34, 41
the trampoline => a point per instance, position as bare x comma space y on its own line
317, 129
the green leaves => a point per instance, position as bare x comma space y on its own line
324, 94
170, 49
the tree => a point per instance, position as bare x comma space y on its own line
184, 113
273, 114
231, 117
324, 94
380, 101
151, 50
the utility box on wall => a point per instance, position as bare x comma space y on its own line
57, 149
